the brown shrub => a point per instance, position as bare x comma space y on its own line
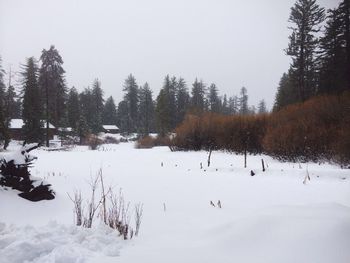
149, 142
314, 130
308, 131
213, 131
145, 142
92, 141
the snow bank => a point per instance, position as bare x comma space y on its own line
57, 243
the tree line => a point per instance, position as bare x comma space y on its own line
45, 98
319, 47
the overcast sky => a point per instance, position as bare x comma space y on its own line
228, 42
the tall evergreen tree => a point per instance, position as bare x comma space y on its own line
345, 18
262, 107
333, 69
162, 113
4, 135
306, 17
285, 93
197, 99
213, 99
122, 116
10, 104
182, 100
146, 110
243, 101
171, 93
233, 105
53, 88
225, 106
73, 109
82, 128
97, 106
131, 99
32, 109
109, 116
170, 86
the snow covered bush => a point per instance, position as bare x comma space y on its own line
14, 173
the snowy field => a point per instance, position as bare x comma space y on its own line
270, 217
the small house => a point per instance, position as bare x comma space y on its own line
17, 133
110, 129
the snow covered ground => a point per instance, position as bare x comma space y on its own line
270, 217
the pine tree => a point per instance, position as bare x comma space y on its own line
243, 102
131, 99
262, 107
224, 106
285, 93
233, 105
333, 72
73, 109
162, 113
197, 99
213, 99
344, 8
4, 135
122, 116
109, 115
32, 109
87, 106
171, 93
146, 110
182, 100
97, 107
306, 17
82, 128
53, 88
10, 104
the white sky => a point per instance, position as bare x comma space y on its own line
229, 42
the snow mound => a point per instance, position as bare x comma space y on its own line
57, 243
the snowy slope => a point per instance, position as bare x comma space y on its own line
271, 217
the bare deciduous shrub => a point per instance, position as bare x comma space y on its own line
218, 132
92, 206
119, 215
77, 201
115, 213
138, 217
145, 142
93, 141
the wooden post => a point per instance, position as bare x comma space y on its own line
263, 165
210, 151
